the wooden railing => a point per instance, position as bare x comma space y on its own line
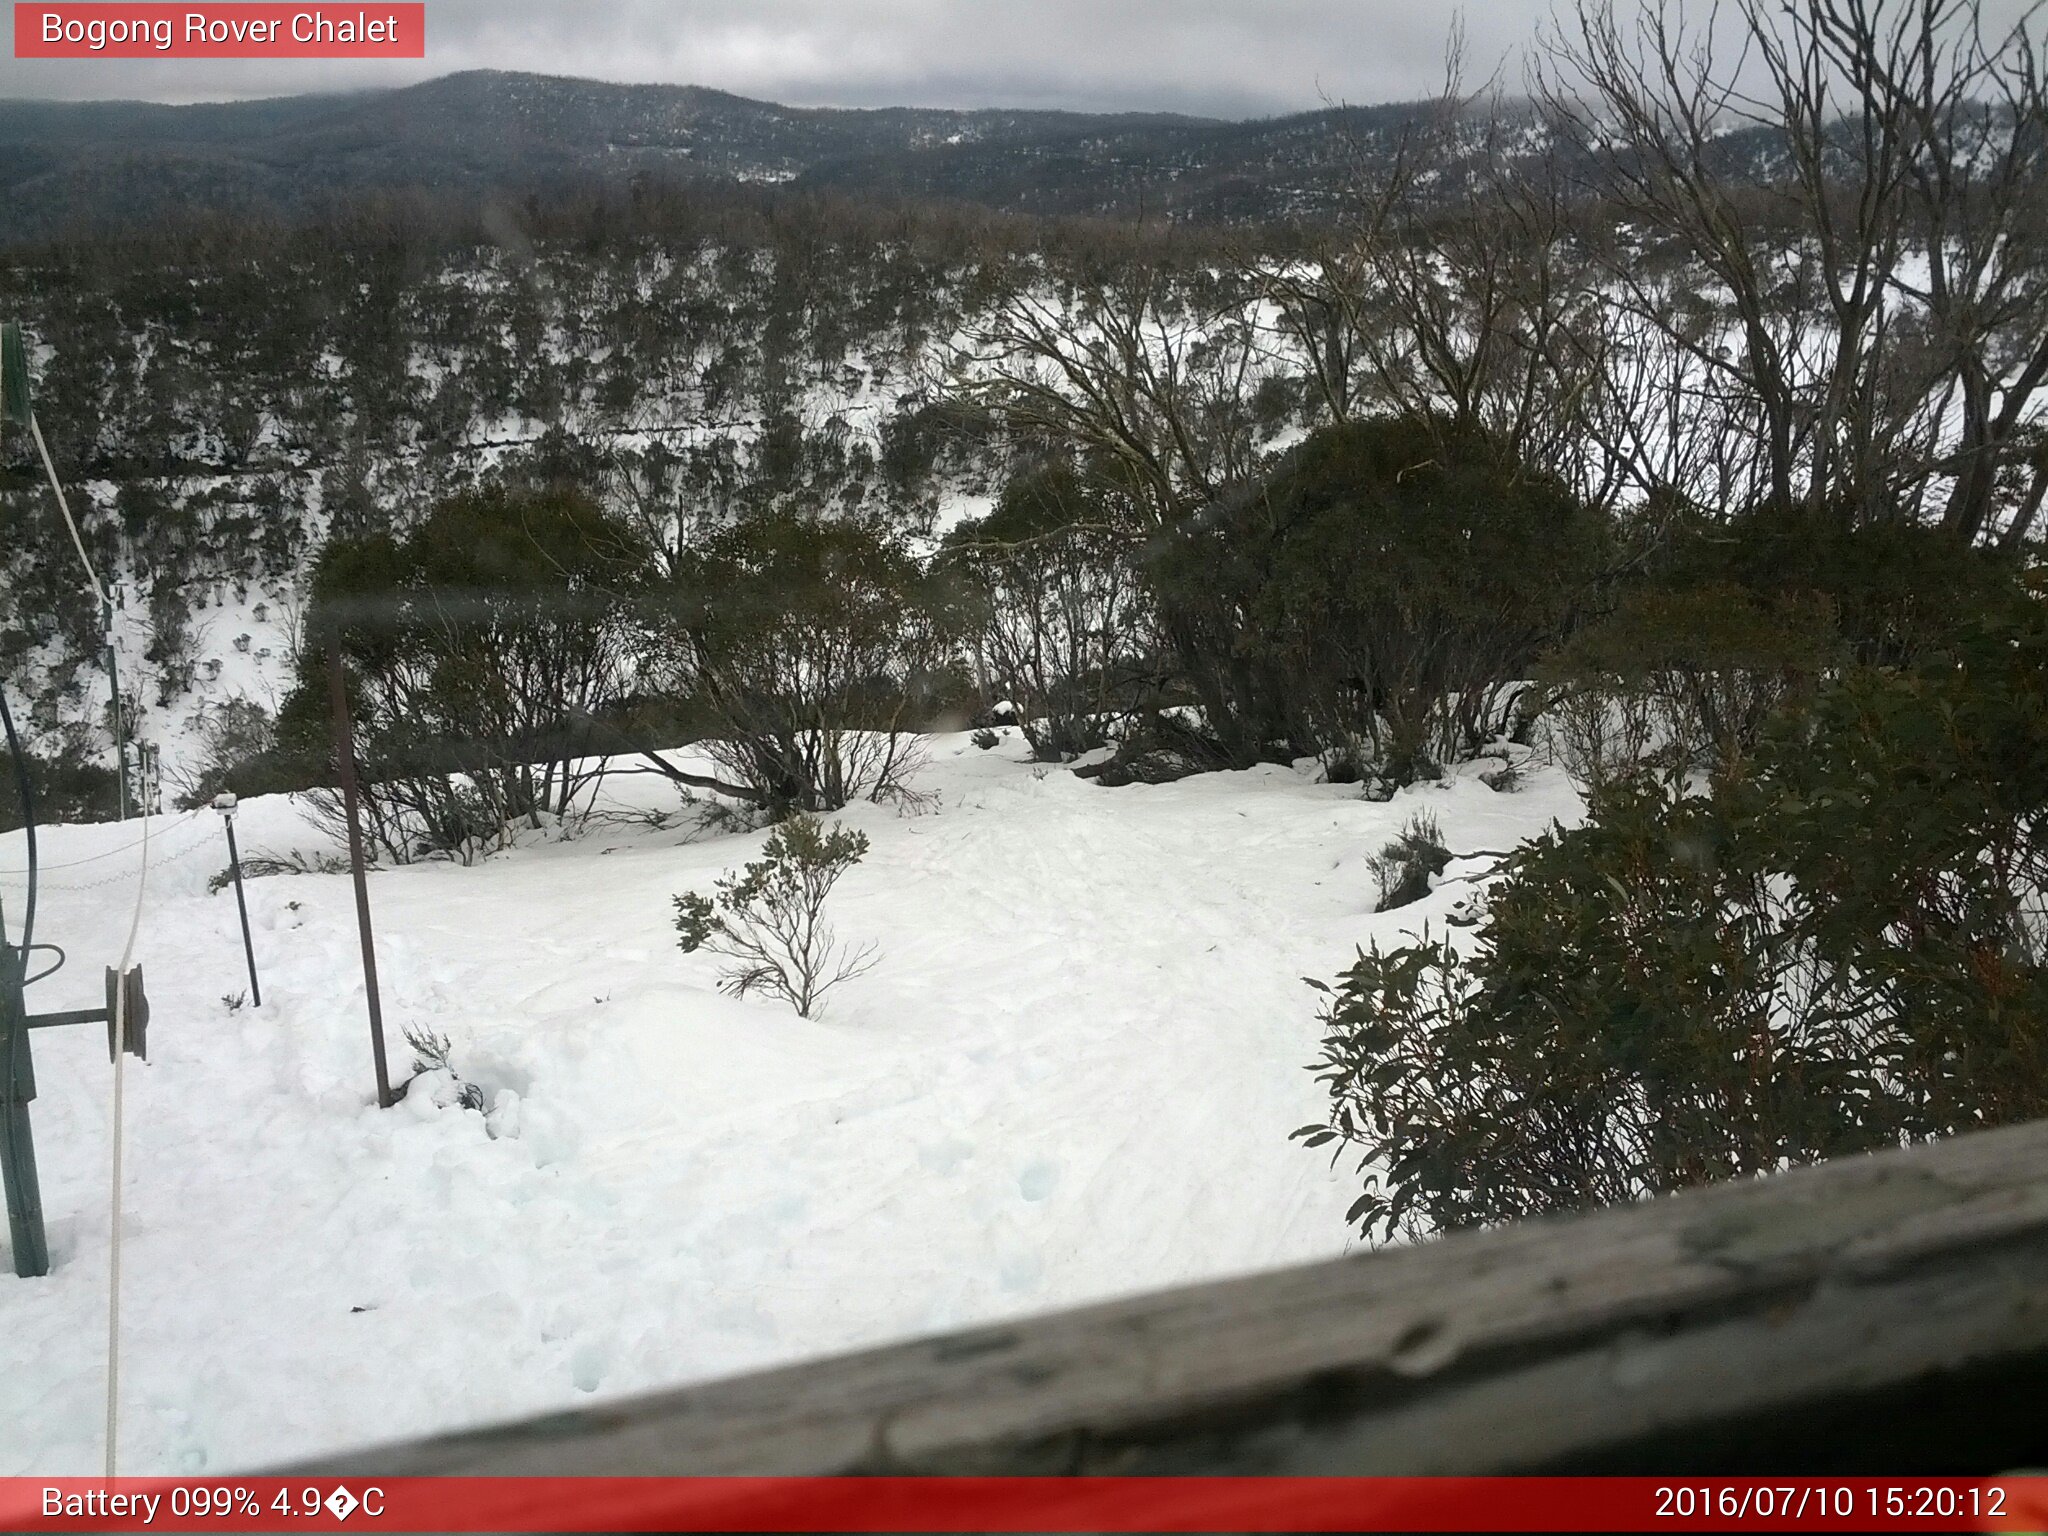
1880, 1314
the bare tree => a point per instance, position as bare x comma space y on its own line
1154, 379
1452, 290
1856, 186
1151, 372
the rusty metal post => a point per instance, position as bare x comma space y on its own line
225, 804
345, 761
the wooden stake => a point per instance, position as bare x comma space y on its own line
241, 905
345, 759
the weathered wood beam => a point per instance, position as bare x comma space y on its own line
1885, 1313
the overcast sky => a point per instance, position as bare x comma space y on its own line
1231, 58
1225, 58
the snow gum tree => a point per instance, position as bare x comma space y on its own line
1060, 623
809, 644
476, 647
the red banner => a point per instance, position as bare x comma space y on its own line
221, 31
1051, 1504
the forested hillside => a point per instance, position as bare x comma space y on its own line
868, 694
224, 399
96, 165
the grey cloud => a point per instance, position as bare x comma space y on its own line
1227, 58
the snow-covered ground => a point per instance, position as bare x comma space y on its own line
1071, 1075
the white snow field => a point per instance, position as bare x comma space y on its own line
1071, 1075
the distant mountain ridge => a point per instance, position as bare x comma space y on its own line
117, 162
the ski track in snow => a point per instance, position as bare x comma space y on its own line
1071, 1075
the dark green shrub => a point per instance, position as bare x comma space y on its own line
67, 788
1911, 808
805, 641
477, 647
1839, 946
1892, 588
1383, 594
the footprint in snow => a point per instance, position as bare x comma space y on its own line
586, 1367
1037, 1181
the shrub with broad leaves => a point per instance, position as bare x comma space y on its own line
1840, 946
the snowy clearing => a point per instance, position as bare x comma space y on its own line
1072, 1075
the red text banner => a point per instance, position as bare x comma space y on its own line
112, 30
1050, 1504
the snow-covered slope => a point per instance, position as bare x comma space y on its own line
1072, 1074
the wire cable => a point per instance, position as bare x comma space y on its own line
93, 858
120, 1009
55, 965
114, 1230
77, 543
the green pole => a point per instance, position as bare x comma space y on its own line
14, 404
17, 1146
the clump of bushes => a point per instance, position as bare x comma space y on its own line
65, 788
1379, 599
811, 647
1894, 589
1683, 679
476, 647
1059, 622
1407, 864
769, 918
1840, 946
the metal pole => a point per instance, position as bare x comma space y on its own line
241, 904
17, 1144
345, 759
17, 1071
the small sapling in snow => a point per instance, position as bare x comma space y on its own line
1406, 865
430, 1053
769, 918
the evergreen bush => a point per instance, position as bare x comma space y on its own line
1381, 597
476, 648
769, 918
808, 645
1840, 945
1407, 864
